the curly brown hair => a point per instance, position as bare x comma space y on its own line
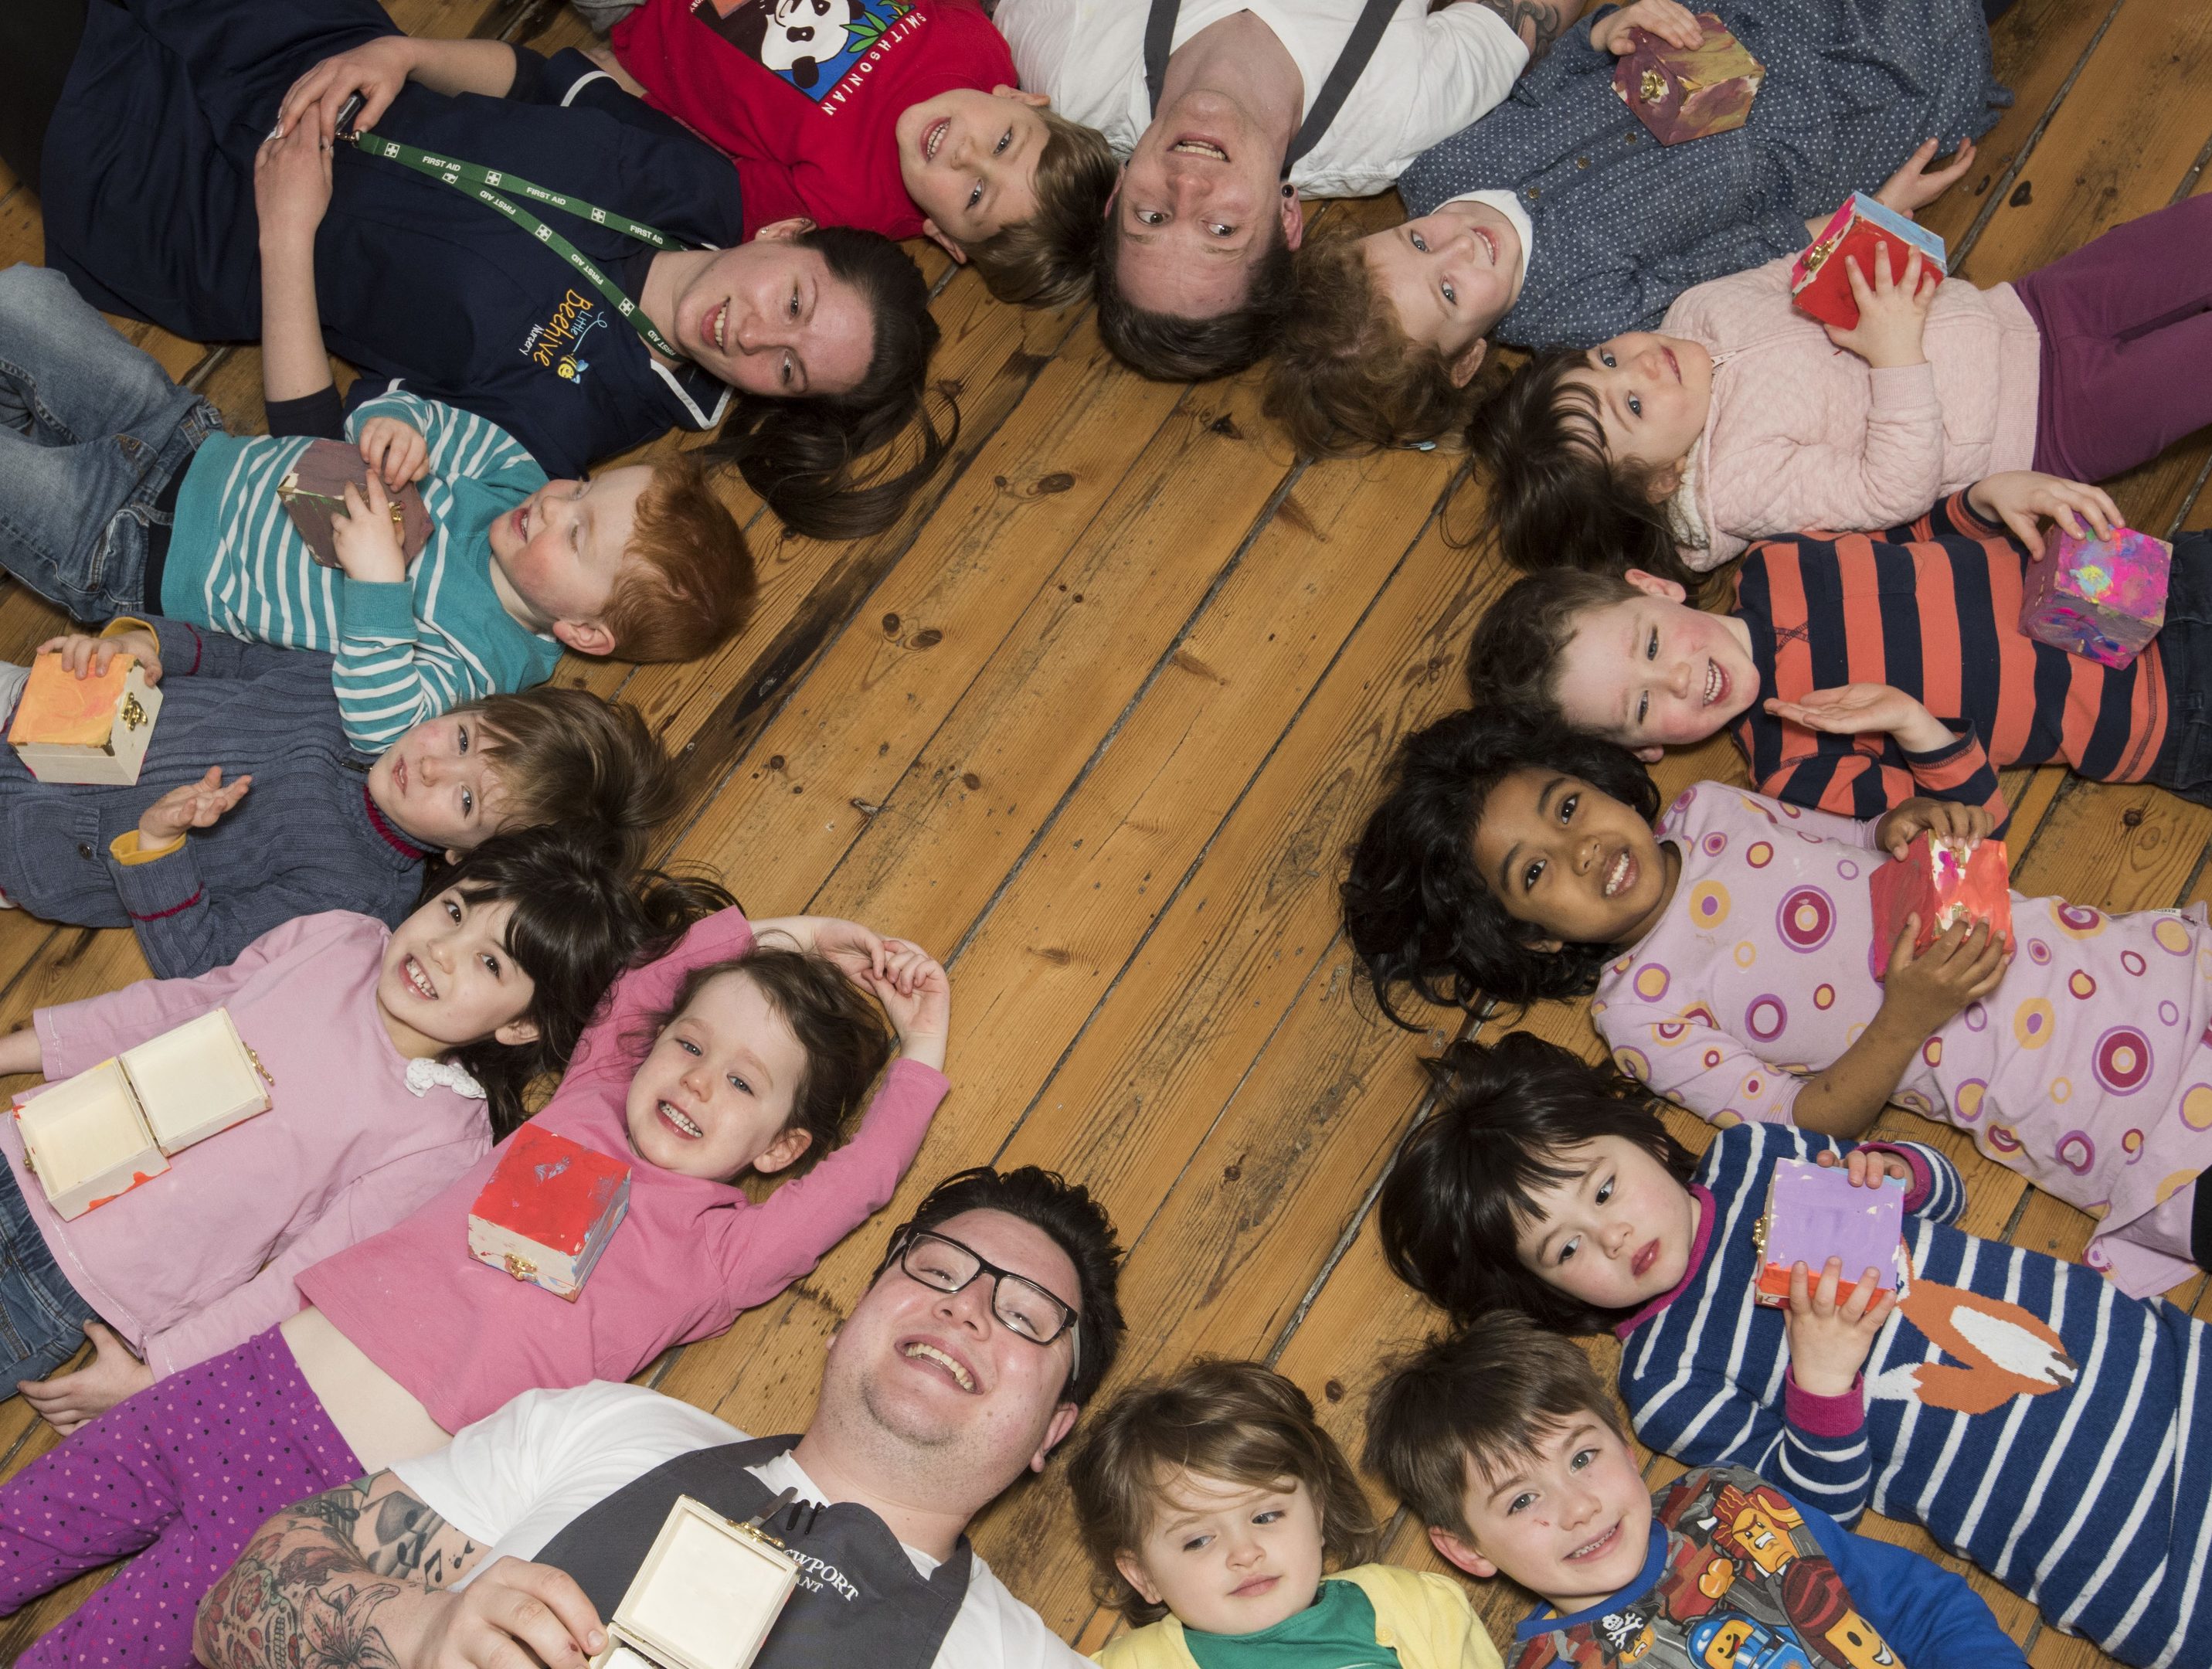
1235, 1421
1346, 378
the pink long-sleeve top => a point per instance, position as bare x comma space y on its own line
201, 1258
1803, 434
465, 1338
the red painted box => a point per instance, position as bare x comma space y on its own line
547, 1212
1817, 282
1683, 93
1942, 880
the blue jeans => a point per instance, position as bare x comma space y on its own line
91, 431
41, 1318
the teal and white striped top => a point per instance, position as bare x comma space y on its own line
404, 652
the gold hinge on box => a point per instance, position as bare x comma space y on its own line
519, 1267
266, 1074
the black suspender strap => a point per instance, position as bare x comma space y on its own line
1344, 74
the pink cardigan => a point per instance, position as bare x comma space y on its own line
203, 1257
466, 1338
1803, 434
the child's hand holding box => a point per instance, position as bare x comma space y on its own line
93, 728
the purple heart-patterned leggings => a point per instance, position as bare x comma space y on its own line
181, 1475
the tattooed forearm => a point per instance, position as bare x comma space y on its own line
309, 1585
293, 1597
1537, 22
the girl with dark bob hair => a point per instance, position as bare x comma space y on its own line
1418, 909
516, 236
1465, 1184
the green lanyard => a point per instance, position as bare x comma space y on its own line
479, 182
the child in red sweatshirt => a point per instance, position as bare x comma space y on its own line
900, 116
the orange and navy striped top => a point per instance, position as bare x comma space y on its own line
1933, 609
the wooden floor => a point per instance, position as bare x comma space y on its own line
1096, 724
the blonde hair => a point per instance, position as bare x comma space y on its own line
1346, 378
1235, 1421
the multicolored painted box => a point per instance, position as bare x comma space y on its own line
1814, 1212
1683, 93
1818, 283
549, 1211
89, 730
2104, 598
1942, 881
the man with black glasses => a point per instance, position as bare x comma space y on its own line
989, 1323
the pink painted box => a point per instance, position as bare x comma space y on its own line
1814, 1213
547, 1212
2102, 598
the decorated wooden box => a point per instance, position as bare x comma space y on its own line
1688, 92
95, 1135
1814, 1213
2104, 598
1942, 881
547, 1212
1818, 283
93, 729
705, 1597
313, 496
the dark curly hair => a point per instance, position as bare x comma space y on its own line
1555, 499
1513, 660
1463, 1184
1170, 348
1416, 910
803, 456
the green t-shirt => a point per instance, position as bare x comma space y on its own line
1337, 1631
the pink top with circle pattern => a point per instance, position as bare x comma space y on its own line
2088, 1070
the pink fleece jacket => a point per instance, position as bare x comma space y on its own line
197, 1260
465, 1337
1803, 434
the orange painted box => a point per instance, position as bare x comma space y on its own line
1942, 881
547, 1212
1683, 93
92, 730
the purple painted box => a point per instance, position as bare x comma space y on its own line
2104, 598
1814, 1213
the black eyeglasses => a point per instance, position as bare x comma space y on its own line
1022, 1307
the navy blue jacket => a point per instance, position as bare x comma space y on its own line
1623, 225
148, 202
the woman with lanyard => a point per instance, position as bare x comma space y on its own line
516, 236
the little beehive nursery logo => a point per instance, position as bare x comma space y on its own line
822, 47
557, 342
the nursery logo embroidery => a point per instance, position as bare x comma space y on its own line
826, 49
554, 343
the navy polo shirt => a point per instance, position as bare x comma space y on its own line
148, 202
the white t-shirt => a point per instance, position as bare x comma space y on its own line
514, 1480
1431, 74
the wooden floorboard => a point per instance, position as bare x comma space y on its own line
1096, 721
